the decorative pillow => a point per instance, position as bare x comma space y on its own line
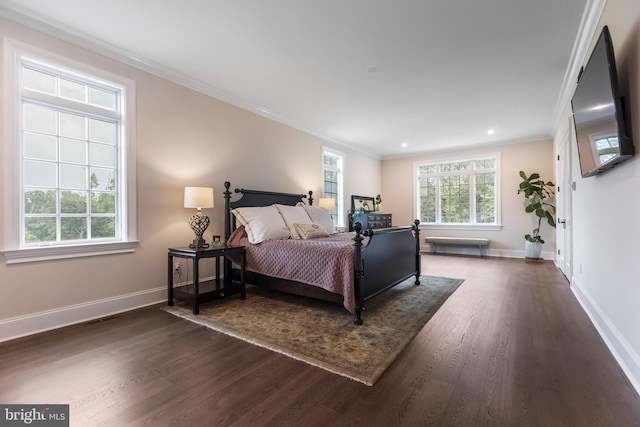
293, 215
320, 216
262, 223
311, 231
238, 237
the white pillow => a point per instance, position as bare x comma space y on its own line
262, 223
311, 231
321, 216
293, 215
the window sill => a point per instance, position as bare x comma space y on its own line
19, 256
480, 227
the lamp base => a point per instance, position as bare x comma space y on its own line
199, 243
199, 224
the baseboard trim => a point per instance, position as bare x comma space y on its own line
627, 358
21, 326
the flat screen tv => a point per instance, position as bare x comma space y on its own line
598, 112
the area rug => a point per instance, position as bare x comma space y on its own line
323, 334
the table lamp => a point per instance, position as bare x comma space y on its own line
198, 197
328, 203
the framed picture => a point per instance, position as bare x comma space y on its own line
362, 204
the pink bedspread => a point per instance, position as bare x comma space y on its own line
326, 262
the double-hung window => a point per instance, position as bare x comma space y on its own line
332, 166
74, 172
458, 193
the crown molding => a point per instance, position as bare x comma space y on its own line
588, 25
470, 147
85, 41
587, 28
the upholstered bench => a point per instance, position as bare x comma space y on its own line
457, 241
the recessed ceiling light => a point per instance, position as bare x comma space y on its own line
491, 131
372, 70
403, 145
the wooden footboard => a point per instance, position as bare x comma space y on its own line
391, 256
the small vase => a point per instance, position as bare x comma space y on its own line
533, 249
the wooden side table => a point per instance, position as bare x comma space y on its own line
198, 292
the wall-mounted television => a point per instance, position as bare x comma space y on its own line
599, 112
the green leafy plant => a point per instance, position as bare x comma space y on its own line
538, 196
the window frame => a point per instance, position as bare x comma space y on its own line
598, 153
495, 226
14, 251
339, 221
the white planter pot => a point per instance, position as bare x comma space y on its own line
533, 249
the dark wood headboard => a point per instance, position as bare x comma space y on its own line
256, 198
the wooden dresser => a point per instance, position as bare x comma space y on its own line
370, 220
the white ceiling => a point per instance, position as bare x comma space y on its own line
369, 74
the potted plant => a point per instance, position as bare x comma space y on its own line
538, 196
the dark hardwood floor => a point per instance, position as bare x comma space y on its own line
511, 347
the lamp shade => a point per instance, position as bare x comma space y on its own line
198, 197
327, 203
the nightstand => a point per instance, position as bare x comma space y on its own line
199, 292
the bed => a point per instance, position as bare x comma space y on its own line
308, 258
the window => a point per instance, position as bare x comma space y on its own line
74, 149
458, 192
607, 147
332, 162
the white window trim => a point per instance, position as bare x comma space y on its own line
479, 227
13, 253
340, 210
497, 226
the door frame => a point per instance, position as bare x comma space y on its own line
564, 189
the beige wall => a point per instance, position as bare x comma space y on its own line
184, 138
398, 193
